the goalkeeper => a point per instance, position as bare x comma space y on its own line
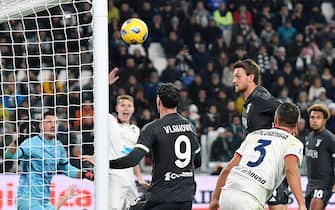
41, 156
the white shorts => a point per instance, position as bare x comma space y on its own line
121, 193
231, 199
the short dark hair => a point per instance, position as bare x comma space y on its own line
250, 67
168, 94
49, 112
288, 114
319, 108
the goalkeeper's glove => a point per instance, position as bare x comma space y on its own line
87, 175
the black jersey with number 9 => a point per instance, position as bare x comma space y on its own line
173, 142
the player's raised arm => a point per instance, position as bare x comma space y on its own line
214, 204
130, 160
113, 76
293, 179
12, 152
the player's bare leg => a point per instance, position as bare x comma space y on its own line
278, 207
316, 204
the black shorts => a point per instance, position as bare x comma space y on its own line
280, 195
322, 193
143, 204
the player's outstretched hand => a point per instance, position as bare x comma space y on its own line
113, 76
88, 175
88, 158
71, 191
214, 205
144, 184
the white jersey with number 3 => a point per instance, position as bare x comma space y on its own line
262, 166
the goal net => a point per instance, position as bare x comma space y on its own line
46, 61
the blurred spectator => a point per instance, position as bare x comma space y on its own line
194, 116
284, 97
126, 12
202, 101
132, 85
195, 86
303, 104
211, 119
188, 77
242, 14
316, 89
221, 150
323, 99
144, 118
299, 21
327, 56
170, 73
316, 17
229, 113
294, 49
304, 59
184, 101
146, 12
267, 32
201, 57
113, 11
184, 60
313, 50
263, 17
76, 155
201, 14
237, 129
129, 69
146, 71
282, 17
189, 29
167, 12
224, 20
84, 116
157, 29
173, 45
139, 57
214, 4
219, 46
263, 59
150, 88
208, 72
212, 34
287, 33
242, 28
278, 86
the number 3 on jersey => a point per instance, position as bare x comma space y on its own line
261, 149
184, 157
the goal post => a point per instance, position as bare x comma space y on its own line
54, 55
100, 22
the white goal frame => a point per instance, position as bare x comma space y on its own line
100, 54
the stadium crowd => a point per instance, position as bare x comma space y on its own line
193, 43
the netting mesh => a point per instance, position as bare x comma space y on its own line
46, 64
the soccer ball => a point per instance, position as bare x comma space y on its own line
134, 31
